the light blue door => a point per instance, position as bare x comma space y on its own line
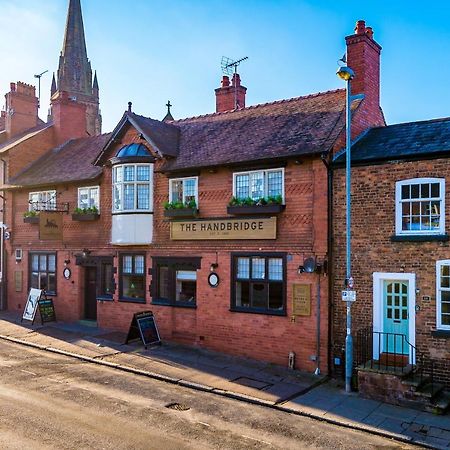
395, 317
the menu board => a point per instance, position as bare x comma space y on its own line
29, 313
143, 327
47, 310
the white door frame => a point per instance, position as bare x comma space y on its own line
378, 279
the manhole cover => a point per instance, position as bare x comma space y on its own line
250, 382
178, 407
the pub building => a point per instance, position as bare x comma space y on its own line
218, 224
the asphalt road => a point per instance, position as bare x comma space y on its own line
49, 401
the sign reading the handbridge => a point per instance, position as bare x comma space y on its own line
255, 228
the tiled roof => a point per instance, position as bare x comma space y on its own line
72, 161
18, 139
404, 140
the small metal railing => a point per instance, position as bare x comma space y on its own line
391, 353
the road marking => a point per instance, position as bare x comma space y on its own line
257, 440
204, 423
27, 371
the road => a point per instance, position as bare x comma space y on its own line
49, 401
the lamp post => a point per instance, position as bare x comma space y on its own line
347, 74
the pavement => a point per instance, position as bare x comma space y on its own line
243, 379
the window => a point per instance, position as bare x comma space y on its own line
132, 188
132, 278
420, 206
259, 184
42, 201
175, 281
88, 197
259, 283
184, 190
443, 294
43, 272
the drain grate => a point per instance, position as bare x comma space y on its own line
178, 407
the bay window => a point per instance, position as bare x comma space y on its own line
132, 188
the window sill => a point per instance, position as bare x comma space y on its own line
105, 299
175, 305
131, 300
419, 237
257, 311
441, 334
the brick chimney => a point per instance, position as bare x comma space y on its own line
69, 118
363, 56
2, 120
21, 108
231, 97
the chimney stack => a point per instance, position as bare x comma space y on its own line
363, 56
21, 108
230, 97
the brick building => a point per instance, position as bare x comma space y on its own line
217, 223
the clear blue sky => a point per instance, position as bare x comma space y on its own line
149, 51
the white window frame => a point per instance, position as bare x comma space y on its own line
89, 188
266, 183
50, 195
398, 205
439, 264
172, 180
135, 183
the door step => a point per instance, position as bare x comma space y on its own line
393, 360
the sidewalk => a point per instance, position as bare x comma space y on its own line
244, 379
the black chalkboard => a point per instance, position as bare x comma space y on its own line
47, 310
143, 327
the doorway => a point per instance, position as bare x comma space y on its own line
90, 293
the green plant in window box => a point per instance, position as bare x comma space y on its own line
31, 213
191, 204
274, 200
90, 210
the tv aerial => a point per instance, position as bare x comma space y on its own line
229, 66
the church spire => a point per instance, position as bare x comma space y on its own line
53, 88
74, 73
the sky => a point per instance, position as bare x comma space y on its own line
150, 51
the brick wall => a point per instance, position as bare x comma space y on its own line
373, 224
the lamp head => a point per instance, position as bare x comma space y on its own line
345, 73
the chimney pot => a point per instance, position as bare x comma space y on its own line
236, 79
225, 81
369, 32
12, 87
360, 27
130, 104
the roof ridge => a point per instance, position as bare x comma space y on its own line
259, 105
439, 119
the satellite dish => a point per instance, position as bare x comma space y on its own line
309, 264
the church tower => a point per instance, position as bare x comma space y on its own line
74, 74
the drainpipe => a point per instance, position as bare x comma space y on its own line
317, 371
3, 301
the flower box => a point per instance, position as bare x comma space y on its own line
255, 209
181, 212
89, 217
31, 219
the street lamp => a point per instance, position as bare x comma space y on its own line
347, 74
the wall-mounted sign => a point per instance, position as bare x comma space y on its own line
18, 280
261, 228
67, 273
213, 279
50, 225
301, 299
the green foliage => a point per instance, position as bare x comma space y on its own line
31, 213
248, 201
191, 204
91, 210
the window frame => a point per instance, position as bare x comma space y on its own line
47, 202
55, 273
172, 180
176, 263
266, 184
233, 280
122, 297
89, 188
135, 183
439, 264
398, 206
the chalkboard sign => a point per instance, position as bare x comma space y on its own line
29, 313
47, 310
143, 327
